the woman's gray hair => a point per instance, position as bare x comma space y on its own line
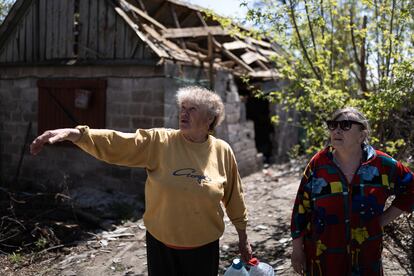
353, 113
204, 98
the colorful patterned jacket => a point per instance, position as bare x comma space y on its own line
340, 221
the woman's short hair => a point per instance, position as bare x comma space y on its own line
356, 115
205, 98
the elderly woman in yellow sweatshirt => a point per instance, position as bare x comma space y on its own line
190, 173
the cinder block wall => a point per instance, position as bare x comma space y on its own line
136, 98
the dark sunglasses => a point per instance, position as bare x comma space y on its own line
344, 124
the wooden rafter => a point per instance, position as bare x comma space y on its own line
232, 56
200, 16
193, 32
160, 52
176, 22
175, 51
142, 14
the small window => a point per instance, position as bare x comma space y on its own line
67, 103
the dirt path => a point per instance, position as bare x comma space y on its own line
269, 197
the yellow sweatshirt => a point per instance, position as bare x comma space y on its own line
186, 181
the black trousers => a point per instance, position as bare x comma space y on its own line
165, 261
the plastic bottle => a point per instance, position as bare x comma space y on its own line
258, 268
236, 269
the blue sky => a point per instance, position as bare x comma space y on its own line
229, 8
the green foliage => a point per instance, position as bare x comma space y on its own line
16, 258
344, 53
41, 243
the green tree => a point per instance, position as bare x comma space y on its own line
357, 53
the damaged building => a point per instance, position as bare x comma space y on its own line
117, 64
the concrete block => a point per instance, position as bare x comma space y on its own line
158, 122
142, 122
153, 110
120, 122
141, 96
119, 96
135, 109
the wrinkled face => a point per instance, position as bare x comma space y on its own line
193, 118
353, 136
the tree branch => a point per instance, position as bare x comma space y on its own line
302, 45
388, 61
311, 30
363, 71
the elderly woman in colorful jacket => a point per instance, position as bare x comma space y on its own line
338, 216
190, 173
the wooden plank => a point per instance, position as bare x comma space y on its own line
250, 57
35, 30
176, 51
120, 38
233, 56
70, 24
177, 23
196, 47
142, 14
42, 29
62, 33
129, 46
28, 19
21, 39
160, 52
9, 51
102, 28
258, 42
110, 37
193, 32
3, 54
237, 44
55, 28
16, 45
201, 18
93, 29
84, 28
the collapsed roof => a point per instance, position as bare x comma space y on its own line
184, 32
47, 31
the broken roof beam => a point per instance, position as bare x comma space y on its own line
142, 14
193, 32
171, 47
237, 44
201, 19
159, 51
250, 57
176, 22
232, 56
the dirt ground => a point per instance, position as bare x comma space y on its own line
269, 196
